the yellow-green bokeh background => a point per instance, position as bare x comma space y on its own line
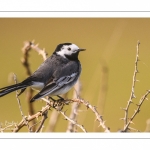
109, 40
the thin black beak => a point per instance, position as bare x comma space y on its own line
81, 49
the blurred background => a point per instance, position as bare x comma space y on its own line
107, 65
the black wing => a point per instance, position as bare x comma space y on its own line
64, 75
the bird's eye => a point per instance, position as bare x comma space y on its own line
69, 48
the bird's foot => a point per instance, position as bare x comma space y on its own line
57, 104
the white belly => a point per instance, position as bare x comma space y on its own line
37, 85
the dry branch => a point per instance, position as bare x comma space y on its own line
19, 103
25, 50
93, 108
41, 52
73, 122
75, 106
44, 117
137, 110
103, 90
2, 129
30, 118
132, 95
54, 104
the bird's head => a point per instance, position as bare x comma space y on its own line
68, 50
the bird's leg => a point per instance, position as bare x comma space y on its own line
61, 98
54, 102
63, 101
51, 98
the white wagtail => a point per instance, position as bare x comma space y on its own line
55, 76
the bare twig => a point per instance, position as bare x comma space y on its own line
137, 110
26, 48
2, 129
75, 106
103, 91
18, 100
44, 117
54, 104
132, 95
30, 118
93, 108
73, 122
50, 104
40, 51
133, 129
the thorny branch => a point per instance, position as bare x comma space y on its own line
75, 106
58, 105
144, 97
25, 50
18, 100
55, 104
44, 117
103, 91
132, 95
30, 118
2, 129
41, 52
93, 108
73, 122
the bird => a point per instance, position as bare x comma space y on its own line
55, 76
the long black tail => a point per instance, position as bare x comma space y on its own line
11, 88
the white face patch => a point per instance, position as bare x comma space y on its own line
68, 50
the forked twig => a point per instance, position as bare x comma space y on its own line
30, 118
137, 110
54, 104
93, 108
